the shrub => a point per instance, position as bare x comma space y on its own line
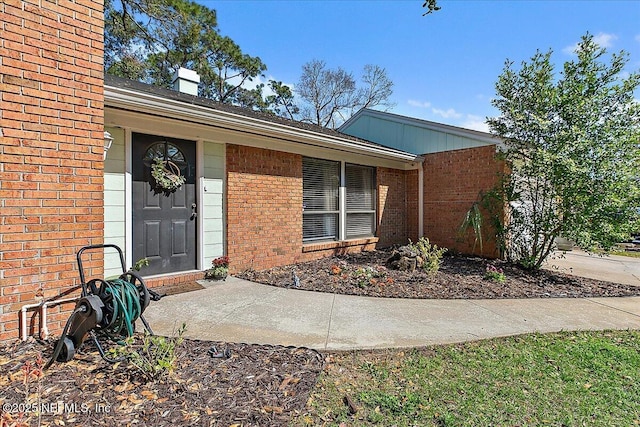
431, 254
155, 357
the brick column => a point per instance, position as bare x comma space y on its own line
51, 152
393, 212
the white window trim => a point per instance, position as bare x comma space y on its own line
342, 202
342, 206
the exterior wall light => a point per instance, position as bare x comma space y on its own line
108, 140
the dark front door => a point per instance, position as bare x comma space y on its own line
164, 223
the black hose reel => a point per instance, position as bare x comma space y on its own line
109, 307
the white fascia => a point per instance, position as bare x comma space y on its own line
152, 104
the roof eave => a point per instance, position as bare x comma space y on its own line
149, 103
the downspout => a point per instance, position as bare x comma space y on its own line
420, 199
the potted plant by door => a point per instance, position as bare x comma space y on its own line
219, 269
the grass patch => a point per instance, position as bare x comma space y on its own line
563, 379
631, 254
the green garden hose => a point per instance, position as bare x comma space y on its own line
114, 306
125, 302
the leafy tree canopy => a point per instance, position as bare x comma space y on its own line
572, 143
148, 40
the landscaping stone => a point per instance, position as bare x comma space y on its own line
404, 259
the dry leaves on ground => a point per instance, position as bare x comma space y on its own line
258, 385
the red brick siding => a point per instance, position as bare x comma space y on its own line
412, 211
392, 207
453, 181
264, 208
264, 211
170, 280
326, 249
51, 139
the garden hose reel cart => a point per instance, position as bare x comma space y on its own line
109, 307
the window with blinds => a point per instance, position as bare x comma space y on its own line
361, 200
321, 199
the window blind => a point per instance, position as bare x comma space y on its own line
361, 200
321, 185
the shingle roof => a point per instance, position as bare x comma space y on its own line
123, 83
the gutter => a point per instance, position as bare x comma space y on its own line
128, 99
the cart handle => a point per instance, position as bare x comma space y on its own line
91, 247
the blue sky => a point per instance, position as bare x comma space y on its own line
444, 66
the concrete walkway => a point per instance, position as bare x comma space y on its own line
240, 311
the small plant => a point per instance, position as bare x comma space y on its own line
166, 176
473, 220
494, 273
431, 255
367, 276
140, 264
341, 268
219, 269
155, 357
31, 372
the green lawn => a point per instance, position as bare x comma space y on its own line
564, 379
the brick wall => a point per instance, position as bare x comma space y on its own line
392, 207
264, 211
412, 211
453, 181
264, 207
51, 139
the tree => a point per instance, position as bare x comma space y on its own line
282, 102
331, 95
573, 148
431, 5
148, 40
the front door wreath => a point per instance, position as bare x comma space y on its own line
166, 176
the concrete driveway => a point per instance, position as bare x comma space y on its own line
240, 311
613, 268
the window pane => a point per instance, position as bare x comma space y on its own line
319, 227
361, 201
321, 185
360, 188
360, 224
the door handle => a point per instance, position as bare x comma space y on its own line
194, 214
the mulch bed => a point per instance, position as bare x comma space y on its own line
258, 385
459, 277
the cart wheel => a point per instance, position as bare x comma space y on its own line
67, 351
137, 281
